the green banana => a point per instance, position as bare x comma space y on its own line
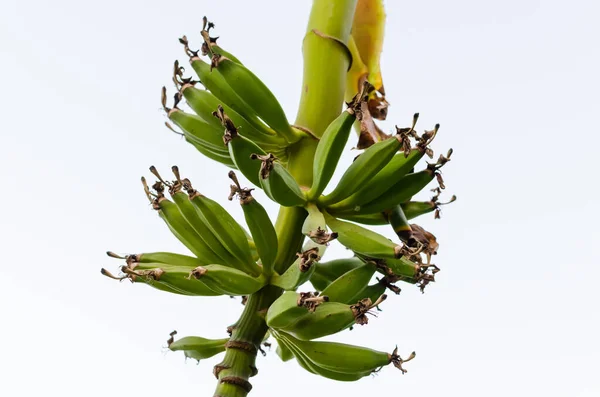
393, 172
374, 291
290, 306
299, 272
178, 225
225, 160
327, 272
407, 187
377, 218
173, 277
225, 228
277, 182
197, 130
413, 209
197, 347
227, 280
329, 150
204, 104
331, 318
367, 165
344, 358
189, 211
305, 362
397, 269
256, 94
350, 284
159, 257
283, 352
363, 241
400, 224
315, 227
263, 233
240, 148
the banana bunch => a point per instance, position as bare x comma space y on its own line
337, 361
237, 121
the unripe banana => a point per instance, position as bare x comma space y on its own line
331, 318
283, 352
315, 227
225, 228
330, 148
393, 172
210, 46
256, 94
227, 280
178, 225
290, 306
197, 130
204, 103
350, 284
277, 182
159, 257
225, 160
263, 233
305, 362
374, 291
327, 272
400, 224
345, 358
407, 187
197, 347
299, 272
143, 280
363, 241
377, 218
397, 269
240, 148
174, 277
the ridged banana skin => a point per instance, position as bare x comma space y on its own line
230, 281
283, 352
403, 267
372, 292
216, 83
328, 319
376, 219
240, 150
361, 240
190, 213
225, 160
392, 173
227, 231
341, 357
263, 232
198, 130
293, 277
348, 285
285, 311
256, 94
199, 348
281, 187
181, 228
177, 278
204, 103
413, 209
169, 258
399, 193
329, 150
310, 365
366, 166
327, 272
400, 224
161, 286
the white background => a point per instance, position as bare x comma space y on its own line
515, 87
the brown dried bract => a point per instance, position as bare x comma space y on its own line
397, 361
267, 163
363, 307
231, 131
310, 300
244, 195
321, 236
308, 258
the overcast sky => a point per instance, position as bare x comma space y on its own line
515, 87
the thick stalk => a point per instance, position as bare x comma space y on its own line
239, 363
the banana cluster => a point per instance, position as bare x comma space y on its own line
237, 121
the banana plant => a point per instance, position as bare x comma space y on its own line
289, 294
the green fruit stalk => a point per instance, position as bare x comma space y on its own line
291, 289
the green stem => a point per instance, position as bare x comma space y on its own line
239, 363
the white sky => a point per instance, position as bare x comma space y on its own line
515, 87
